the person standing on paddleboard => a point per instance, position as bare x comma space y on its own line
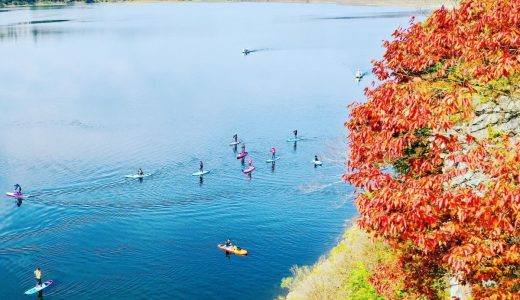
243, 148
38, 276
295, 132
201, 167
140, 172
273, 152
235, 137
316, 158
17, 189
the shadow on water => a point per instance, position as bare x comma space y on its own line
19, 202
295, 146
273, 166
201, 180
387, 15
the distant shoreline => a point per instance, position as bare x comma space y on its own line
385, 3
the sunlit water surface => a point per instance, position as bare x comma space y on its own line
91, 93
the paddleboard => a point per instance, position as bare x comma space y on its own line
272, 160
137, 176
235, 143
199, 173
317, 162
294, 140
249, 170
242, 155
15, 195
39, 288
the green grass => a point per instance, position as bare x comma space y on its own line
344, 273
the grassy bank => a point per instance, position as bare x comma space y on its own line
344, 273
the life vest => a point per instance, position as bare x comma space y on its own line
38, 274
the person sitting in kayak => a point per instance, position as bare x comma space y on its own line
273, 152
17, 189
243, 148
316, 158
295, 132
201, 166
228, 243
38, 276
235, 137
140, 172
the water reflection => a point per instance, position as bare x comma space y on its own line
15, 33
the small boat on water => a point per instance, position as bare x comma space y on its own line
359, 75
233, 249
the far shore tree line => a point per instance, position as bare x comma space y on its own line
34, 2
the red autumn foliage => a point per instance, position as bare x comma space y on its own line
402, 137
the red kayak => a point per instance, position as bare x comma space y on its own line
242, 155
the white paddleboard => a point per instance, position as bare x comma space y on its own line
137, 176
317, 162
272, 160
199, 173
235, 143
38, 287
294, 140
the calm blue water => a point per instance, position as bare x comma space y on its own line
91, 93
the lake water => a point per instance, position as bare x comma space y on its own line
90, 93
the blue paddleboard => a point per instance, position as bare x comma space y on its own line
272, 160
199, 173
38, 287
137, 176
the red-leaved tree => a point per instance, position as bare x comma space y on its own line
435, 151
